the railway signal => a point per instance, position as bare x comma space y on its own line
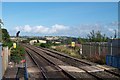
14, 45
72, 44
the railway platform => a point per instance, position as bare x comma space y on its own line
14, 72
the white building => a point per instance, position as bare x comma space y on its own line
57, 42
32, 42
35, 41
42, 41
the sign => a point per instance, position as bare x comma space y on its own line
73, 44
14, 45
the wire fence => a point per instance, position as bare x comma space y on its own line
91, 49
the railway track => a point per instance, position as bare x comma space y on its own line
112, 71
48, 69
84, 70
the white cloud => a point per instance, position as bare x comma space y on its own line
17, 28
42, 29
27, 28
57, 29
111, 30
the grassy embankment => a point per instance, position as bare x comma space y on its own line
17, 54
74, 52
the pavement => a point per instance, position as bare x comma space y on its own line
13, 72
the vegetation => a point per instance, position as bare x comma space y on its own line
69, 51
25, 41
17, 54
97, 37
97, 59
45, 45
81, 40
6, 38
1, 23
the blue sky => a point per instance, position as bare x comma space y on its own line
0, 10
60, 0
60, 18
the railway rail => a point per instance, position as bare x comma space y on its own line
48, 69
68, 67
106, 68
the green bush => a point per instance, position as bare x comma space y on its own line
9, 44
48, 45
100, 59
17, 54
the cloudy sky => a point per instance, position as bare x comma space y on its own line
60, 18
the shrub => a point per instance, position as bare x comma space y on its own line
17, 54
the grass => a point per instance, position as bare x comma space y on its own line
69, 51
74, 53
17, 54
98, 59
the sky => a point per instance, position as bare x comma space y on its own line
0, 10
60, 0
60, 18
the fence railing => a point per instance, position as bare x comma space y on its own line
91, 49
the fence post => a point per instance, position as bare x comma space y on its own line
90, 49
99, 49
111, 48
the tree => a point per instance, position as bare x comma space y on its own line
5, 35
97, 36
81, 40
69, 40
1, 23
6, 38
